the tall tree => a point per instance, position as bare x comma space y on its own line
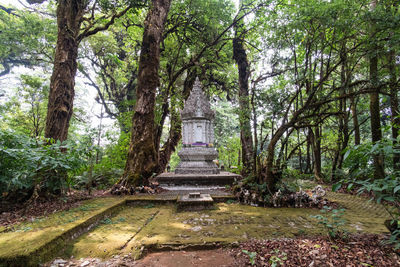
70, 17
240, 56
142, 157
376, 132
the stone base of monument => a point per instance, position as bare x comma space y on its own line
195, 201
197, 160
221, 179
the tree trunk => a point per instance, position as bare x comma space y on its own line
62, 82
175, 134
376, 132
316, 147
343, 130
394, 108
271, 176
239, 54
142, 156
308, 156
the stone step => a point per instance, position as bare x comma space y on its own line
194, 201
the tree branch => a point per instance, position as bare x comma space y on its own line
89, 31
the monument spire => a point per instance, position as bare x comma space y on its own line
197, 105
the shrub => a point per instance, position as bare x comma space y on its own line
26, 163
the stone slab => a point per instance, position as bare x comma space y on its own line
186, 203
223, 178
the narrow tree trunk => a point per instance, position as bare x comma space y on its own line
239, 54
376, 132
316, 146
142, 156
343, 130
300, 152
62, 82
308, 156
394, 108
354, 114
175, 134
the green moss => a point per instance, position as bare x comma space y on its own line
33, 242
361, 214
109, 238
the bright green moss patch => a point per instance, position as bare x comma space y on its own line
227, 224
38, 238
112, 234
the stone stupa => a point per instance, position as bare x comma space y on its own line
197, 155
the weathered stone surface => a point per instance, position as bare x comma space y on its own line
197, 105
223, 178
197, 154
187, 203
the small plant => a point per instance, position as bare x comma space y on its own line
333, 222
230, 201
106, 221
252, 256
277, 259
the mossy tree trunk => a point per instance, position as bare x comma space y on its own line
62, 82
142, 158
70, 15
240, 56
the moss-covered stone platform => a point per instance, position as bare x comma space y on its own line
108, 226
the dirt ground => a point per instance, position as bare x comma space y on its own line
199, 258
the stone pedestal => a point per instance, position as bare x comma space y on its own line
197, 160
192, 179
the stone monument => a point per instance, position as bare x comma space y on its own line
197, 155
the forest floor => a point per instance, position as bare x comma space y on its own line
230, 235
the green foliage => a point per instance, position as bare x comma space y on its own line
387, 190
114, 154
294, 174
25, 110
27, 39
278, 259
100, 177
333, 222
27, 162
252, 256
358, 160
